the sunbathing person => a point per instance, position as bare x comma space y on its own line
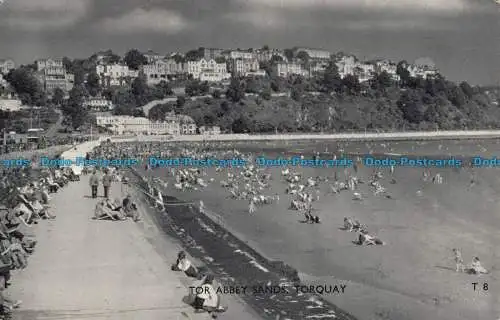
6, 304
351, 224
208, 300
129, 208
367, 240
107, 209
476, 267
184, 264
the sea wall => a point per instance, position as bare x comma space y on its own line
388, 136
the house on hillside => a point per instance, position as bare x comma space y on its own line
210, 131
186, 124
6, 65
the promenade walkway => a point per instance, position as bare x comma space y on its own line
86, 269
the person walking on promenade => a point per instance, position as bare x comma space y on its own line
106, 182
94, 183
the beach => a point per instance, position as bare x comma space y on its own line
413, 276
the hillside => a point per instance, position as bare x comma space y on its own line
345, 105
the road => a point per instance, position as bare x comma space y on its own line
53, 130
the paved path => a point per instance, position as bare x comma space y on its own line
86, 269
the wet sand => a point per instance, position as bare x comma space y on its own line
413, 276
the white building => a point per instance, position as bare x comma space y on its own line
317, 67
155, 72
98, 104
186, 124
240, 55
131, 125
52, 64
160, 70
6, 65
210, 70
346, 65
52, 74
115, 75
286, 69
364, 71
242, 67
173, 124
3, 82
422, 71
10, 104
315, 54
210, 131
389, 67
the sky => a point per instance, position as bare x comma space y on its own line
462, 37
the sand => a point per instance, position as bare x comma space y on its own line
413, 276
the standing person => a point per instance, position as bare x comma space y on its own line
106, 183
94, 183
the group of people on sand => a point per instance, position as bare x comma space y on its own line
25, 203
203, 296
474, 268
108, 209
250, 183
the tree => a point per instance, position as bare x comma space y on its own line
27, 87
457, 97
217, 94
178, 58
92, 84
402, 72
140, 90
241, 125
113, 58
58, 97
220, 59
138, 112
235, 92
412, 107
298, 88
381, 81
304, 56
289, 54
467, 89
196, 88
74, 109
179, 105
224, 106
331, 78
351, 84
320, 116
135, 59
162, 90
67, 64
266, 94
251, 86
194, 55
